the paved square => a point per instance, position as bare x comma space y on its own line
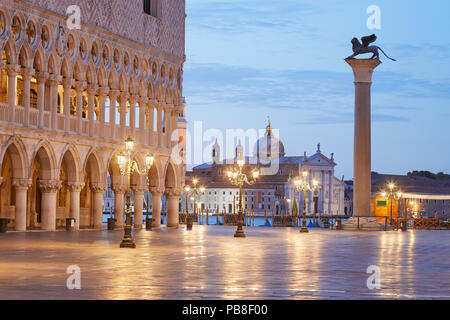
208, 263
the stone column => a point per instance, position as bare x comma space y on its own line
132, 117
49, 189
67, 85
92, 90
362, 70
113, 94
123, 99
119, 204
156, 206
21, 186
159, 125
75, 189
322, 194
167, 125
12, 75
53, 99
79, 87
103, 92
27, 75
151, 120
41, 80
173, 199
98, 190
143, 101
138, 205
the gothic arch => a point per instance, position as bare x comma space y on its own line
39, 60
91, 76
171, 176
46, 155
18, 154
94, 162
25, 56
11, 51
66, 68
72, 158
102, 78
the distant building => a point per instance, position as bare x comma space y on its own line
421, 196
270, 193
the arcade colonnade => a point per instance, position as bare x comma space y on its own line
68, 100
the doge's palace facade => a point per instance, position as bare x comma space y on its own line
70, 97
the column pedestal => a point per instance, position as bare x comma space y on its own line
49, 189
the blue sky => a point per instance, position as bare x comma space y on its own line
249, 59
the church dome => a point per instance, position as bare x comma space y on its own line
269, 147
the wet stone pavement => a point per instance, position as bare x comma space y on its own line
208, 263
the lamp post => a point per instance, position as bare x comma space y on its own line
193, 193
392, 194
238, 178
302, 184
127, 166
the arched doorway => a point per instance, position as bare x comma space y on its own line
173, 194
91, 196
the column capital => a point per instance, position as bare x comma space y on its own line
114, 93
120, 189
42, 76
143, 100
133, 98
80, 85
23, 184
28, 73
75, 186
99, 187
49, 186
139, 189
12, 69
67, 83
156, 191
103, 91
363, 69
92, 88
124, 95
173, 192
54, 79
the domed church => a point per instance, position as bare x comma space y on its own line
275, 185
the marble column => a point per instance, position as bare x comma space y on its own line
138, 206
27, 74
21, 187
103, 92
75, 189
41, 78
362, 70
151, 120
53, 100
48, 190
98, 190
159, 126
173, 200
133, 100
119, 204
143, 101
322, 193
156, 206
167, 112
123, 99
330, 197
12, 71
79, 87
91, 90
113, 95
67, 85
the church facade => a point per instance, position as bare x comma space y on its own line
273, 192
69, 97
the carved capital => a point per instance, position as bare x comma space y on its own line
22, 183
28, 73
103, 91
92, 89
99, 187
124, 96
49, 186
113, 94
157, 191
41, 77
119, 189
143, 101
139, 189
67, 83
75, 187
80, 85
173, 192
12, 69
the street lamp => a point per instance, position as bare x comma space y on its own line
127, 166
392, 194
238, 178
302, 184
193, 193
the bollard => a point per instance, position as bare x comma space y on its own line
4, 225
111, 223
148, 224
189, 223
405, 225
70, 223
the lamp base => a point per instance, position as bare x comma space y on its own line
304, 230
128, 244
239, 234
